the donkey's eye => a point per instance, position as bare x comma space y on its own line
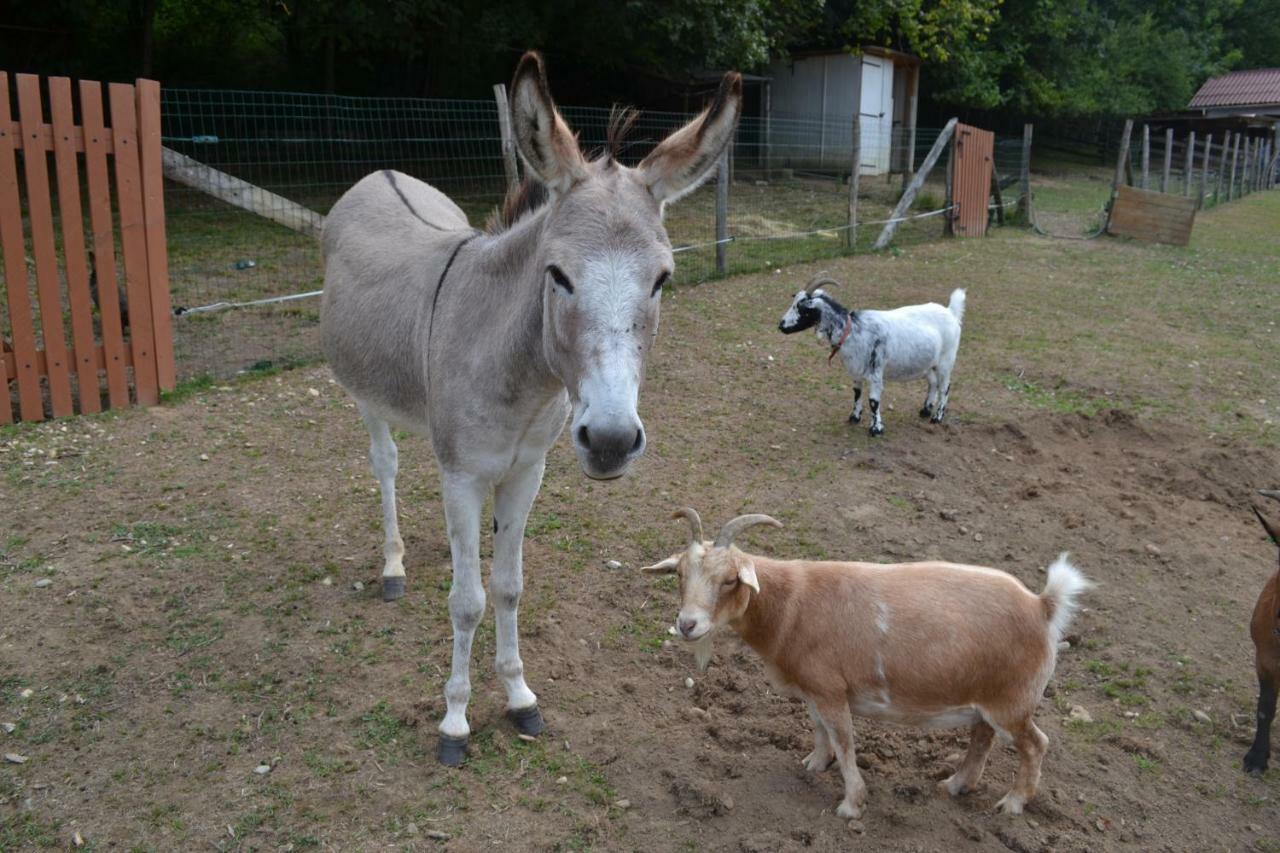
662, 280
558, 276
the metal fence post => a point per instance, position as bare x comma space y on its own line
855, 173
722, 209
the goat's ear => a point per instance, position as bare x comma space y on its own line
666, 567
685, 158
548, 147
747, 574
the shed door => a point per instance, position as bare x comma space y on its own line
876, 108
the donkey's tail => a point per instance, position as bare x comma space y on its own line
956, 305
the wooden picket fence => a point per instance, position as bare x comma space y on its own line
127, 342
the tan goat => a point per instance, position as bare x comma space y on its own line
928, 644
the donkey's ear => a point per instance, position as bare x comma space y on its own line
685, 158
549, 149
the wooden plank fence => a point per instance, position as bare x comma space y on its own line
127, 342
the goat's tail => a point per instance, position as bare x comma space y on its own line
1063, 587
956, 305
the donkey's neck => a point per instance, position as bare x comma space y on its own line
511, 269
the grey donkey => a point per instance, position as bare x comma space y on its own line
485, 342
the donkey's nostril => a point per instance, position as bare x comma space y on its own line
584, 438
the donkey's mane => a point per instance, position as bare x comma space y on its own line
529, 194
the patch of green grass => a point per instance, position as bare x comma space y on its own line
187, 388
1060, 398
380, 727
24, 830
144, 537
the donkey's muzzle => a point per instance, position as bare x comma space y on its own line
606, 451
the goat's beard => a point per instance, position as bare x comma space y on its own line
702, 650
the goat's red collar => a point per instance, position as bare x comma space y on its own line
844, 336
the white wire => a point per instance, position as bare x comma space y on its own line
226, 306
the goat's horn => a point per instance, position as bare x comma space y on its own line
739, 524
695, 523
1270, 493
819, 280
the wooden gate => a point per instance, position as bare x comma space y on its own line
128, 340
971, 180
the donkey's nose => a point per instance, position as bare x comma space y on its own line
610, 447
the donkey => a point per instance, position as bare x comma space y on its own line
485, 342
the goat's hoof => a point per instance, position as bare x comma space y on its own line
528, 721
452, 751
1010, 804
855, 418
816, 763
392, 588
926, 411
936, 419
876, 431
848, 810
1254, 764
954, 786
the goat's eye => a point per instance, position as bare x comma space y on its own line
663, 278
561, 280
728, 582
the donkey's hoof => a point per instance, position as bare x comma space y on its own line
528, 721
392, 588
452, 751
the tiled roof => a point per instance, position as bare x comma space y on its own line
1240, 88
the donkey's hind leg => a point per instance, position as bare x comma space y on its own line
385, 461
511, 501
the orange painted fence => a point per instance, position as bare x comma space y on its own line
127, 342
971, 180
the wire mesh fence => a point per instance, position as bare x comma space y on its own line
289, 156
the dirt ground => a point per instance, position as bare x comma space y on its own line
212, 608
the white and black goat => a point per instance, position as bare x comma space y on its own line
911, 342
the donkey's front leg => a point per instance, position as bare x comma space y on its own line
463, 499
511, 501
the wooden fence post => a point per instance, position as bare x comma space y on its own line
1222, 169
30, 397
722, 209
909, 196
1189, 165
1146, 155
1122, 158
1024, 200
152, 180
1168, 159
855, 170
1235, 161
1204, 171
508, 141
948, 226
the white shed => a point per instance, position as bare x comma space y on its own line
814, 96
